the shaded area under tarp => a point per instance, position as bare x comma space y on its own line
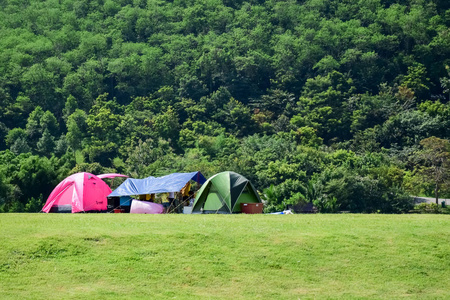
155, 185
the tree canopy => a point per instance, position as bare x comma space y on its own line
313, 97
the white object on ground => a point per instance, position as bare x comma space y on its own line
145, 207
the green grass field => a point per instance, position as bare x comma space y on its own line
95, 256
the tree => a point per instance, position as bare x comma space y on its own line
70, 107
445, 83
40, 85
237, 117
17, 140
20, 146
166, 124
434, 159
278, 102
46, 144
416, 80
33, 127
104, 119
48, 122
76, 129
323, 105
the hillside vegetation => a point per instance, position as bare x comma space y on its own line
315, 100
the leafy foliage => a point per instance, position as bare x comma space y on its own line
314, 101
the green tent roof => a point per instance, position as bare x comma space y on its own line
223, 193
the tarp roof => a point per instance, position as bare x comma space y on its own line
154, 185
111, 175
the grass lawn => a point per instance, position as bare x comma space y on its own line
87, 256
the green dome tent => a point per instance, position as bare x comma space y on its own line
224, 193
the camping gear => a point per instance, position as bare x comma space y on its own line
187, 209
123, 203
284, 212
224, 193
80, 192
252, 208
144, 207
155, 185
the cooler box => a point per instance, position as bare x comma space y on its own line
187, 209
252, 208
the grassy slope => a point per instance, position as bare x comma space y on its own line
215, 256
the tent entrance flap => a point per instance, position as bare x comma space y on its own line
213, 202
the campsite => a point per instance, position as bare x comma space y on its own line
226, 192
217, 149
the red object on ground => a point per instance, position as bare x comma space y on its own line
118, 211
252, 208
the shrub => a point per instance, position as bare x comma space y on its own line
431, 208
34, 204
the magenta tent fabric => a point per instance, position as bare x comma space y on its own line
111, 175
79, 192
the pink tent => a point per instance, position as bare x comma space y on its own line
78, 193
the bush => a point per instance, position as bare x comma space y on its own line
396, 201
16, 207
326, 204
431, 208
278, 198
34, 204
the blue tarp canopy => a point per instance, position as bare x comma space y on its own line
155, 185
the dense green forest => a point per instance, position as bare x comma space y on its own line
341, 102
